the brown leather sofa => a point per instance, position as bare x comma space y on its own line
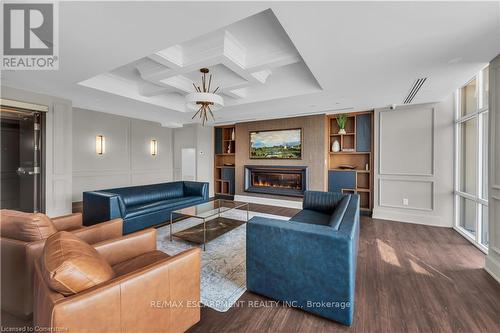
141, 290
20, 246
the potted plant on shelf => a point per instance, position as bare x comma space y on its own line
341, 121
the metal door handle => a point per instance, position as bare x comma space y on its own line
22, 171
36, 171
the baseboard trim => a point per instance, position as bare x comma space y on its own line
268, 201
433, 221
492, 266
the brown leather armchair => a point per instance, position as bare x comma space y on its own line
150, 291
18, 257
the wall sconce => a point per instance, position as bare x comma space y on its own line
154, 147
100, 145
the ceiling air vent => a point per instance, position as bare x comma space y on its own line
415, 88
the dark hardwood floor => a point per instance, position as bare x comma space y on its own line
410, 278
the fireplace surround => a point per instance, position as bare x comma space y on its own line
277, 180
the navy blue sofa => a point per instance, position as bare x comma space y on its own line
141, 206
308, 262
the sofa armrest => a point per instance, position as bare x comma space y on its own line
165, 297
302, 264
68, 222
15, 283
101, 232
17, 262
196, 189
127, 247
101, 206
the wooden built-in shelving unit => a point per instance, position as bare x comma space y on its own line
224, 160
356, 150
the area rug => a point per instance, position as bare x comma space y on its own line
223, 269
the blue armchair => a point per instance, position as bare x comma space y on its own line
308, 262
143, 206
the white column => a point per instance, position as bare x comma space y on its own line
492, 264
59, 159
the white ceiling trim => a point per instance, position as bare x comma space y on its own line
238, 68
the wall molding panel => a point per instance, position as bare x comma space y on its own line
127, 160
409, 149
413, 162
428, 193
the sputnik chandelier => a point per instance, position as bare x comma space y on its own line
203, 101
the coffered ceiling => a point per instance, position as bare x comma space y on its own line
271, 59
252, 60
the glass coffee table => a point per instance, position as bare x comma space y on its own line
212, 221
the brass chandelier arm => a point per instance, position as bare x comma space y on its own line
197, 112
211, 113
205, 101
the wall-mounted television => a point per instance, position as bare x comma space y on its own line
276, 144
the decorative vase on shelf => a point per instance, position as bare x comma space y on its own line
232, 135
342, 131
229, 148
335, 146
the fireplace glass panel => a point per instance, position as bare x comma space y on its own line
276, 180
282, 180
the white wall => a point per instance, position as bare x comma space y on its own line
58, 144
127, 160
492, 264
200, 138
414, 161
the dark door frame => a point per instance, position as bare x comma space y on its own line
41, 110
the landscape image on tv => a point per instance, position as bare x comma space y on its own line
281, 144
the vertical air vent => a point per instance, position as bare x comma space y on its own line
415, 88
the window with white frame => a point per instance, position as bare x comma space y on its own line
471, 160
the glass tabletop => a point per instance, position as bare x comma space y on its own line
209, 209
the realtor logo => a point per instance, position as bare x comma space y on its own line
29, 36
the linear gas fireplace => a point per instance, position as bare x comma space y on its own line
278, 180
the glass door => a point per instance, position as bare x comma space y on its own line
21, 169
